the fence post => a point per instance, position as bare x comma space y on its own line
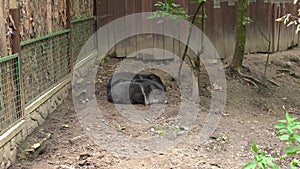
95, 13
69, 26
16, 48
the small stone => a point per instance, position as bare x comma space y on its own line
79, 81
66, 167
179, 133
287, 65
295, 75
8, 164
13, 155
295, 59
35, 146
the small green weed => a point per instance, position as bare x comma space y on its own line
288, 132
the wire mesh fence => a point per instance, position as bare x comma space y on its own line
46, 61
10, 92
82, 30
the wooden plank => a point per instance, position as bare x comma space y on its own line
158, 40
178, 48
119, 12
16, 48
130, 27
229, 24
146, 39
263, 9
102, 20
169, 41
102, 13
138, 9
111, 30
278, 13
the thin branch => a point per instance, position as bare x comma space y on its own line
269, 48
188, 40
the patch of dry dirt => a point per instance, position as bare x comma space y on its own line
249, 117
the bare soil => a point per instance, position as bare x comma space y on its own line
249, 117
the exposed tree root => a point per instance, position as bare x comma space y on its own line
256, 82
250, 81
226, 66
273, 82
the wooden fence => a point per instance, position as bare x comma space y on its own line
220, 25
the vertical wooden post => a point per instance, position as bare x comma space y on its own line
3, 52
95, 10
95, 13
16, 48
69, 26
273, 25
130, 27
111, 31
3, 46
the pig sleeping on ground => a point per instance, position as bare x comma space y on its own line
130, 88
128, 76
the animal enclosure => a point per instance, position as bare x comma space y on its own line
42, 42
41, 39
50, 40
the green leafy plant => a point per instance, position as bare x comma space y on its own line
161, 132
261, 161
288, 131
168, 10
295, 164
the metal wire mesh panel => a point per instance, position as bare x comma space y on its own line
46, 61
82, 30
10, 92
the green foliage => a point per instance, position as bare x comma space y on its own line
295, 164
287, 132
168, 10
261, 161
161, 132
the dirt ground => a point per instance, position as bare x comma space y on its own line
249, 117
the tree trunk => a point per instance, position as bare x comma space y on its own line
3, 45
238, 56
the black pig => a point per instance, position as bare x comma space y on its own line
128, 76
136, 91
